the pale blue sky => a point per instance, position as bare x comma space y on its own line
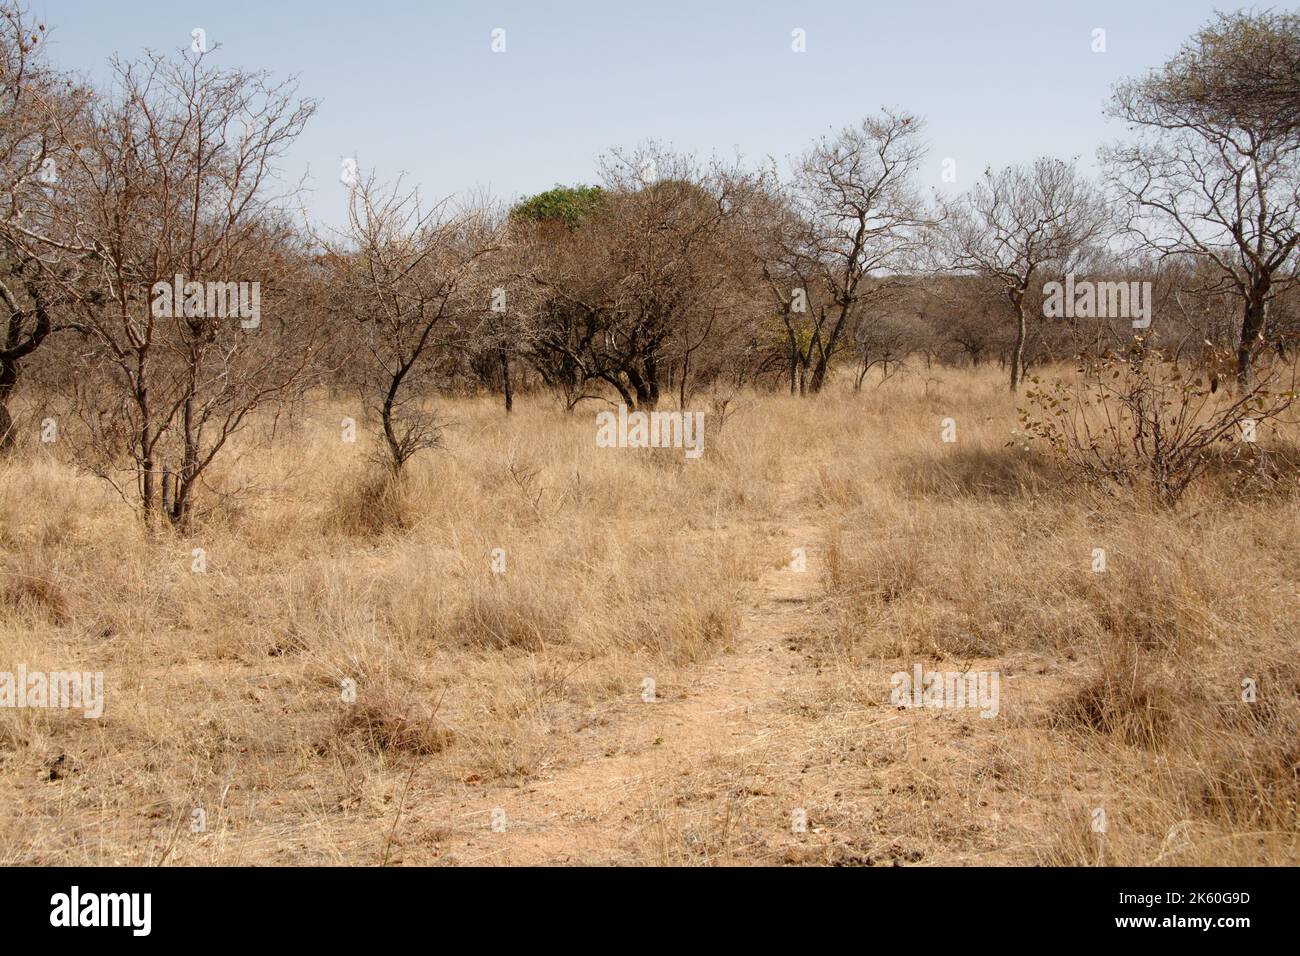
414, 86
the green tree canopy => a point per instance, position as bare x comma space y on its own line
567, 204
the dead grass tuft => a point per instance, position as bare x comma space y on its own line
382, 721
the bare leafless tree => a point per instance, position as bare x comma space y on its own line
851, 215
172, 199
411, 278
1017, 225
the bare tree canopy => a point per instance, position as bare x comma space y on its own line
173, 208
1020, 225
409, 280
852, 212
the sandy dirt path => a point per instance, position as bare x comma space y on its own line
599, 808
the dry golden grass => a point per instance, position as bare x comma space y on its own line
523, 690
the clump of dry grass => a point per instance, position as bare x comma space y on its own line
34, 594
375, 501
1129, 698
498, 613
385, 722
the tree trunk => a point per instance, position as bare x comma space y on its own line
824, 353
183, 481
818, 375
8, 376
396, 460
794, 362
505, 379
146, 461
15, 347
1018, 353
1253, 323
645, 387
652, 381
823, 363
619, 387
